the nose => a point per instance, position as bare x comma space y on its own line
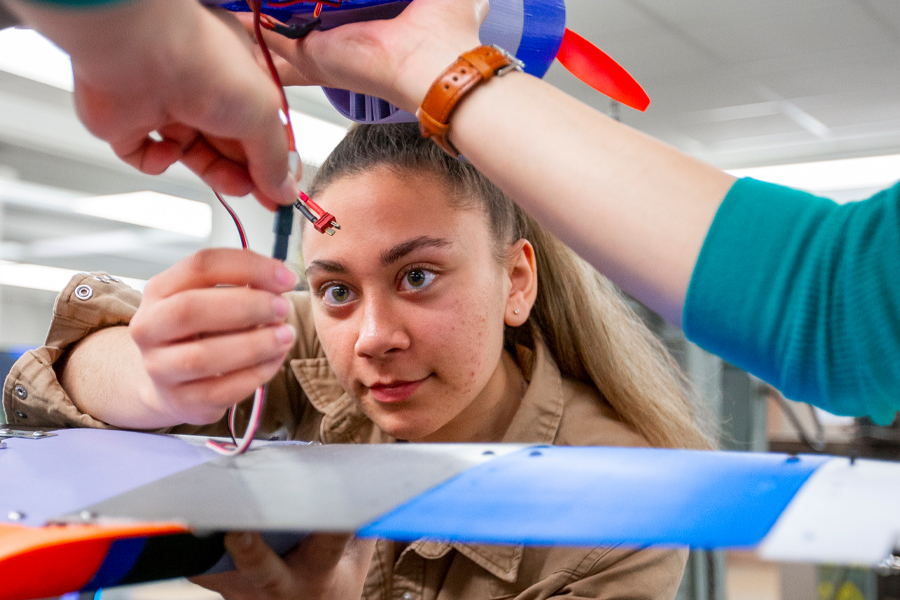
381, 329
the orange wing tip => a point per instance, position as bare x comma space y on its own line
38, 562
598, 70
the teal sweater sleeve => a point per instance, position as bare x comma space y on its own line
805, 294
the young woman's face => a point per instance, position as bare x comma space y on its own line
409, 303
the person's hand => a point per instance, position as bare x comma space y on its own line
396, 59
184, 72
210, 330
323, 567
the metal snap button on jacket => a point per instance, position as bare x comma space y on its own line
20, 392
84, 292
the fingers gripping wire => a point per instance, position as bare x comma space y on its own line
322, 221
296, 31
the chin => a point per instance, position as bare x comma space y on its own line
402, 421
402, 429
407, 434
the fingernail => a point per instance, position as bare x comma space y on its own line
246, 540
289, 190
285, 276
285, 334
281, 306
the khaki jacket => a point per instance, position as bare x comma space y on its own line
305, 402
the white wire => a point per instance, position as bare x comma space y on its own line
244, 443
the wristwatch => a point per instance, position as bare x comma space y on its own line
468, 72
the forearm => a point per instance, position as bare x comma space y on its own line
105, 377
633, 207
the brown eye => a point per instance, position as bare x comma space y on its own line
418, 279
337, 294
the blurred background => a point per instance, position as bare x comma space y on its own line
800, 92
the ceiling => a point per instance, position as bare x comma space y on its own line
753, 82
735, 82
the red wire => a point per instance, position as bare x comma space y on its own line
231, 449
268, 22
235, 448
235, 218
257, 29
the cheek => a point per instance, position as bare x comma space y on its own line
337, 338
467, 340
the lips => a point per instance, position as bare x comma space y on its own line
396, 391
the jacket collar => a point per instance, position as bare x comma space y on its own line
535, 422
343, 421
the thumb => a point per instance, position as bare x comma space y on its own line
259, 564
320, 552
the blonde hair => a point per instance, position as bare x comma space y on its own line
590, 331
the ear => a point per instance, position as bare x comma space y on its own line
522, 271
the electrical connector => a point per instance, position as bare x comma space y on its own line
296, 31
323, 222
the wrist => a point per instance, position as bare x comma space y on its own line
420, 70
455, 85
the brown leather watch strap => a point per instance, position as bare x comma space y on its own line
468, 72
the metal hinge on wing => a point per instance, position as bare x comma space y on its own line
37, 434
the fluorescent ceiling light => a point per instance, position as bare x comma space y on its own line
26, 53
151, 209
831, 175
316, 138
51, 279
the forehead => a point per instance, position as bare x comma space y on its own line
380, 208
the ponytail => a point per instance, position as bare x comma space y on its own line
596, 338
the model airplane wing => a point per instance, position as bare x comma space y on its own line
533, 30
107, 508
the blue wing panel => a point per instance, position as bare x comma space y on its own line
599, 496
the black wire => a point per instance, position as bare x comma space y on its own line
817, 445
284, 223
304, 210
296, 31
228, 420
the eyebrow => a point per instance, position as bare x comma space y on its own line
328, 266
402, 249
388, 257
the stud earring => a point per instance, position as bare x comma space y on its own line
515, 312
